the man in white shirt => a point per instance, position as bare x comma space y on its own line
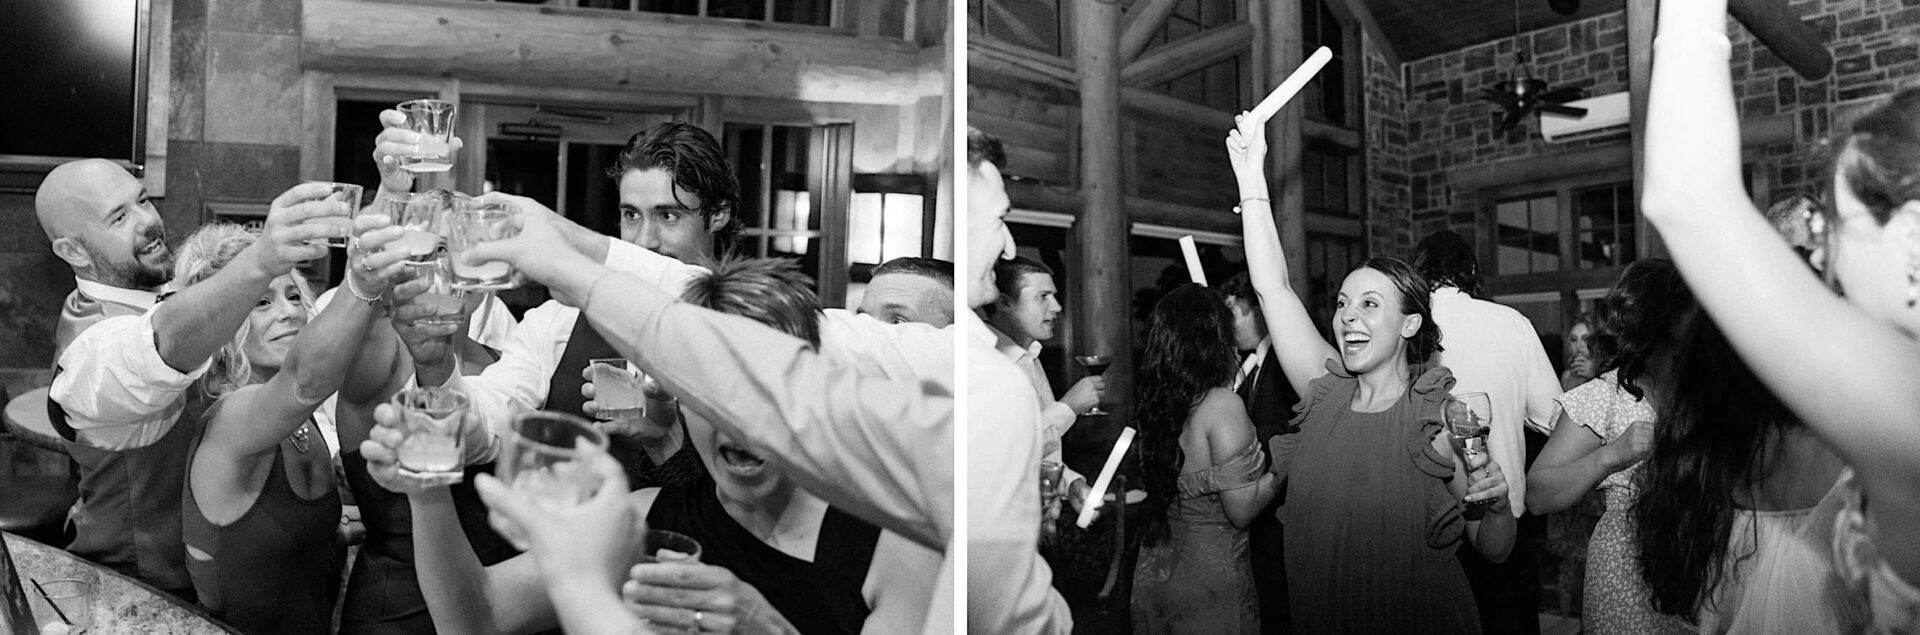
909, 289
1023, 316
1492, 349
1009, 588
124, 359
677, 197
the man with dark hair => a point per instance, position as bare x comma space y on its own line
1011, 588
1492, 349
677, 198
909, 289
1269, 398
1023, 317
123, 359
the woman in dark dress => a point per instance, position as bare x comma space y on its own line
261, 502
1204, 474
1373, 513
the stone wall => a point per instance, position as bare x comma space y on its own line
1876, 49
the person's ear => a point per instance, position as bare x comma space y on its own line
70, 250
1412, 327
718, 220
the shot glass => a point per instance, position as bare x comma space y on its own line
618, 389
447, 301
430, 420
540, 456
423, 218
471, 223
74, 599
433, 119
660, 545
347, 197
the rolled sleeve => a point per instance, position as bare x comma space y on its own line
651, 267
112, 375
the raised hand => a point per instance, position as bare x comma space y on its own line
288, 238
1085, 394
1247, 151
381, 450
372, 266
396, 141
589, 542
541, 253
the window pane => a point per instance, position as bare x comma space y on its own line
742, 9
815, 12
863, 225
905, 216
745, 143
682, 7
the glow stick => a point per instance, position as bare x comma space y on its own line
1298, 80
1194, 271
1099, 494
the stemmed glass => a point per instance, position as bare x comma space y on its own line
1468, 417
1096, 365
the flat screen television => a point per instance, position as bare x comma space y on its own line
75, 77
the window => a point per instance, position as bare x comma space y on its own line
1528, 234
1031, 24
1224, 84
1327, 171
1327, 96
775, 206
813, 12
1606, 226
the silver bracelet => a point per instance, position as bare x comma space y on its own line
1238, 207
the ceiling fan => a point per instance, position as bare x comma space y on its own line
1521, 95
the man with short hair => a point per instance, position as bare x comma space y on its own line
124, 358
1492, 349
1009, 588
910, 289
1024, 316
1269, 399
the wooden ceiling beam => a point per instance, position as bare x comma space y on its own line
1018, 26
498, 42
1198, 51
1776, 25
1140, 24
986, 54
1356, 11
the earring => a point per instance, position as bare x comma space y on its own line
1913, 281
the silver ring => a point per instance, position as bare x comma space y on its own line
366, 266
697, 616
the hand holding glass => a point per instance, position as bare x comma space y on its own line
432, 119
541, 457
344, 196
617, 388
430, 422
1096, 365
1469, 418
660, 545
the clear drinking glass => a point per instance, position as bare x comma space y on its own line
74, 601
617, 388
433, 119
660, 545
539, 456
1096, 365
347, 197
473, 222
447, 301
423, 218
430, 420
1468, 418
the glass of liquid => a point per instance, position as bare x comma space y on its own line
1469, 418
430, 422
1096, 365
433, 120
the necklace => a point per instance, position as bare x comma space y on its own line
300, 438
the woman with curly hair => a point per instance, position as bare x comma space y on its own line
1604, 429
1737, 505
1203, 470
1377, 501
261, 502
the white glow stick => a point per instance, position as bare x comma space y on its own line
1099, 493
1192, 252
1298, 80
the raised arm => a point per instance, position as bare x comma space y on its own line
1303, 354
1848, 375
193, 324
316, 366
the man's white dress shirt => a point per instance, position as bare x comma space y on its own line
117, 392
1494, 349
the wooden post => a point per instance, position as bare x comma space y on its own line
1286, 49
1102, 310
1641, 16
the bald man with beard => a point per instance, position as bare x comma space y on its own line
124, 358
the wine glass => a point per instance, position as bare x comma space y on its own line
1468, 418
1096, 365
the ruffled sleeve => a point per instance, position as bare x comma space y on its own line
1281, 446
1431, 387
1240, 470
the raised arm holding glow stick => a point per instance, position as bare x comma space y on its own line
1287, 89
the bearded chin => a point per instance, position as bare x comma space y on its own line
134, 274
